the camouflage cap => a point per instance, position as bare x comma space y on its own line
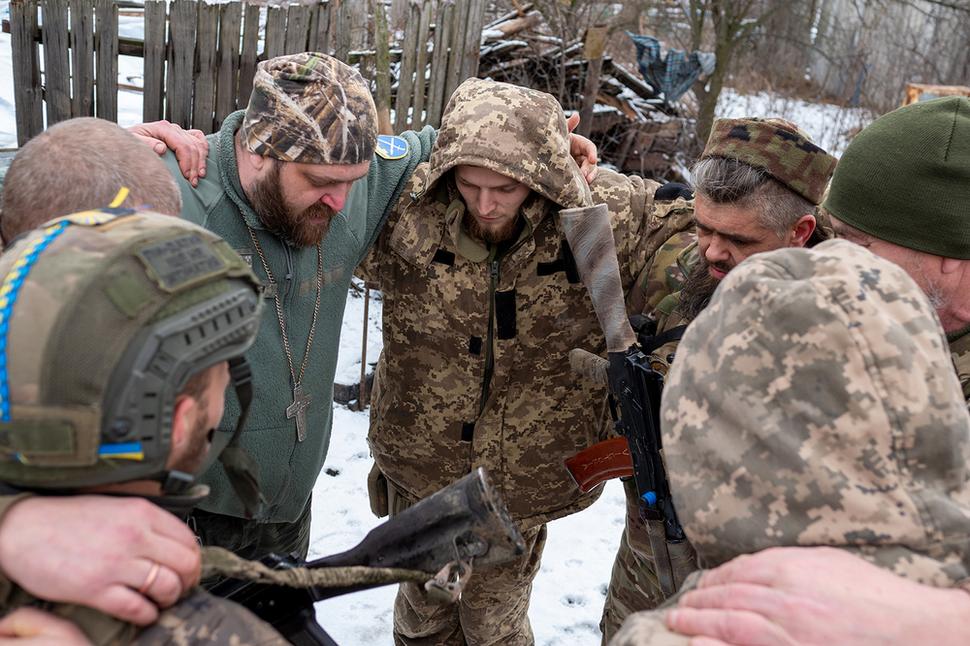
104, 316
813, 402
310, 108
779, 148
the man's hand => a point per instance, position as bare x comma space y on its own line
189, 146
100, 552
817, 596
582, 149
33, 627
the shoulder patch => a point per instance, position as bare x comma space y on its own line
392, 147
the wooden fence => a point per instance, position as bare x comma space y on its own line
200, 58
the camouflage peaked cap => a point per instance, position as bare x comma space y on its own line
310, 108
515, 131
104, 316
813, 402
779, 148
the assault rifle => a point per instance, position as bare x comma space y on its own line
635, 389
441, 536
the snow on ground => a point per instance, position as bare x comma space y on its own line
569, 591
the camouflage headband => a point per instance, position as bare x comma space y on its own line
779, 148
310, 108
813, 402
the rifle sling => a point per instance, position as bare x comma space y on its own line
651, 343
220, 562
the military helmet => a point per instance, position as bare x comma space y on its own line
104, 317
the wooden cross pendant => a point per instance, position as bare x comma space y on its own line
301, 401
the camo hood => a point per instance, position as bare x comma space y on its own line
813, 403
516, 131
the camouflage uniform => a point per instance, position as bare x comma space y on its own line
158, 284
474, 370
788, 155
813, 405
305, 108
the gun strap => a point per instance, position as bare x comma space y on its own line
650, 343
661, 557
220, 562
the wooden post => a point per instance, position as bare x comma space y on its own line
340, 29
28, 102
405, 78
154, 84
473, 39
182, 19
362, 394
57, 73
593, 53
275, 31
455, 48
247, 62
230, 28
106, 24
439, 61
82, 58
320, 28
382, 69
204, 96
418, 118
297, 21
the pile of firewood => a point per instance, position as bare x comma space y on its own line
634, 130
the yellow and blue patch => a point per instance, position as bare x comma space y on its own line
392, 147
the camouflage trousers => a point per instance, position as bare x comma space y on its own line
633, 583
250, 539
493, 608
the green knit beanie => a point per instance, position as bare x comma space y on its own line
905, 178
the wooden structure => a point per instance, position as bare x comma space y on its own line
916, 92
200, 57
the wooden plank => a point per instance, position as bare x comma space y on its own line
230, 29
439, 61
405, 78
357, 16
473, 39
154, 80
206, 46
182, 22
28, 103
82, 58
418, 118
455, 48
340, 29
106, 43
57, 72
592, 52
320, 28
382, 68
247, 61
275, 32
297, 22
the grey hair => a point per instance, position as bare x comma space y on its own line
729, 181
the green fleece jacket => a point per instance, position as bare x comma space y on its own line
287, 468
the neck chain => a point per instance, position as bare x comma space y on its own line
301, 400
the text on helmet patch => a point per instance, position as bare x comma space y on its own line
181, 261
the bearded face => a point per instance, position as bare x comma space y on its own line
698, 288
300, 227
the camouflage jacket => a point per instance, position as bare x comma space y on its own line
474, 370
288, 468
960, 352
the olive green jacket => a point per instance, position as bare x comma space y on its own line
288, 468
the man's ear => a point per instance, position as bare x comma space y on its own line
184, 415
802, 231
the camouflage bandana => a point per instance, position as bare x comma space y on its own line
310, 108
814, 403
779, 148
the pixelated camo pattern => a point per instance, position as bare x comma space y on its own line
779, 147
814, 402
429, 423
312, 109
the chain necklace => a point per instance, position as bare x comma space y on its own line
301, 399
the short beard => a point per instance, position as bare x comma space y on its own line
697, 290
304, 229
489, 236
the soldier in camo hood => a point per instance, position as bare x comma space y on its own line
125, 402
756, 185
482, 303
814, 404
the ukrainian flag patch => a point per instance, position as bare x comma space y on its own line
392, 147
